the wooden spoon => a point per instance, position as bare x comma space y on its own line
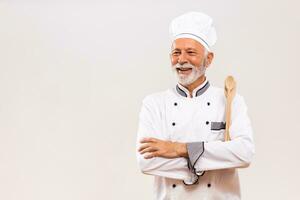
230, 91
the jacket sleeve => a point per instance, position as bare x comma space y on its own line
150, 126
237, 152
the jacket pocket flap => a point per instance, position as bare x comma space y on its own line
216, 126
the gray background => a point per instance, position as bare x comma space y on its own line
72, 77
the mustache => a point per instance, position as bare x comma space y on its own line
184, 66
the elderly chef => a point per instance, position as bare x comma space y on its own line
181, 131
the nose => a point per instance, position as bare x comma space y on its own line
182, 59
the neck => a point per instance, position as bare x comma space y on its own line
195, 84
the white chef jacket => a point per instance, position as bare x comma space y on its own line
172, 115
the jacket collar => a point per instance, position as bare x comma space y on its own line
181, 90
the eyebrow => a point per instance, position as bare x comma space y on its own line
188, 49
191, 49
176, 49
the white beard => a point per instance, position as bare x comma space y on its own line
186, 80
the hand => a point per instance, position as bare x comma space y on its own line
153, 147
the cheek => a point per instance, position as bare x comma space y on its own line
174, 61
195, 61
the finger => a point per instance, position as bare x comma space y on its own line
148, 150
147, 140
143, 146
151, 155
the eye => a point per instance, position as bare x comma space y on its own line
175, 53
191, 52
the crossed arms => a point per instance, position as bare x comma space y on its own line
158, 156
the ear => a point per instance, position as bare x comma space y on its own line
209, 59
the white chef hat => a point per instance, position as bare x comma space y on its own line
194, 25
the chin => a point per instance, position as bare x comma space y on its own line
186, 81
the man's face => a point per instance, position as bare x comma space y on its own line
189, 60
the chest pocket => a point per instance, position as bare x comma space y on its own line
217, 131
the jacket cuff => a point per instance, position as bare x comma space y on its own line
195, 151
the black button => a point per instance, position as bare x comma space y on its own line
175, 104
173, 123
174, 185
207, 122
208, 103
208, 185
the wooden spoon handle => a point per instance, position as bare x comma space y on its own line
228, 118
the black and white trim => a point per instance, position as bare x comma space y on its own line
180, 91
203, 89
199, 92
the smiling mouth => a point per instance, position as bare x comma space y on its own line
184, 70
